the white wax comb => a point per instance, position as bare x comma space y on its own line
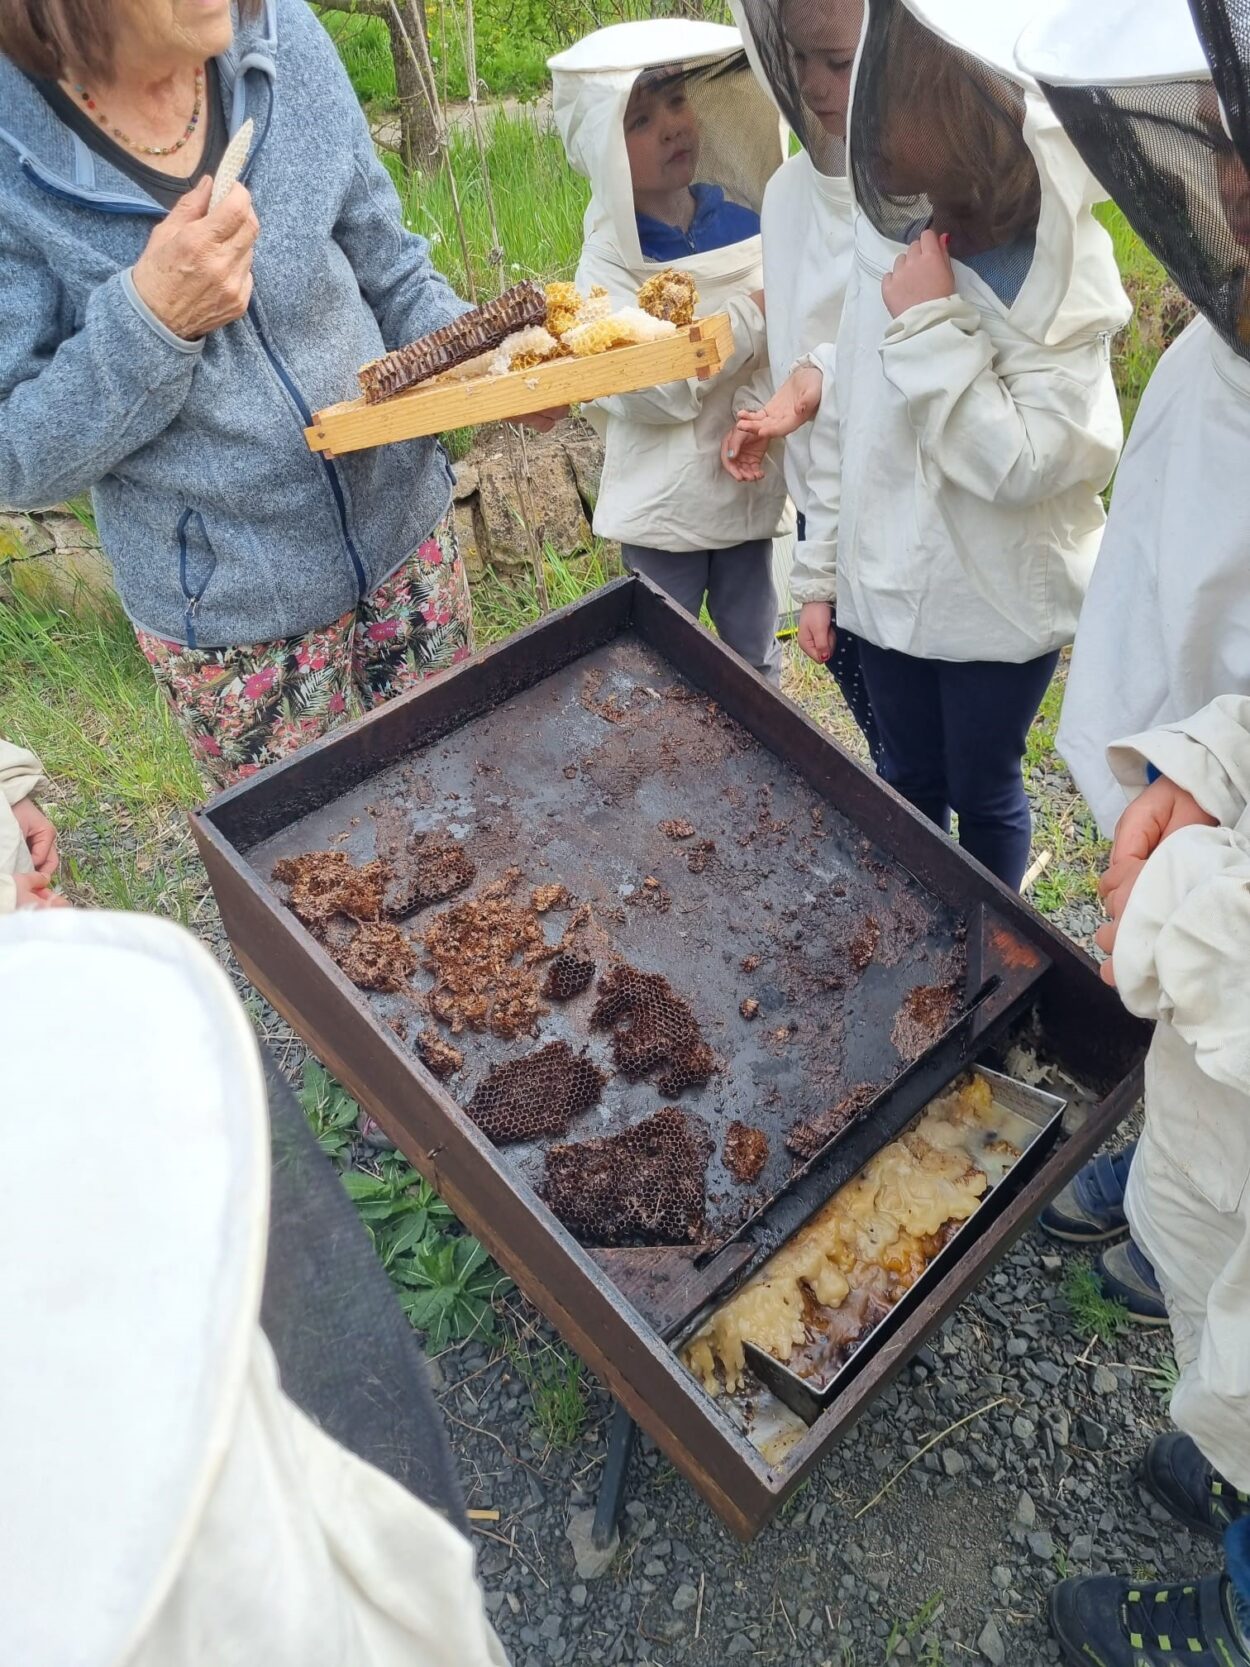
231, 165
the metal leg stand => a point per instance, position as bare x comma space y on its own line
612, 1482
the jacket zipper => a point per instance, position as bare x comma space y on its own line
336, 485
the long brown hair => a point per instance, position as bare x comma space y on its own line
972, 119
48, 37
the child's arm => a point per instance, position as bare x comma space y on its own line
1182, 949
1016, 439
29, 841
814, 576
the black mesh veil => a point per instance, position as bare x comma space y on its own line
937, 139
1174, 156
805, 50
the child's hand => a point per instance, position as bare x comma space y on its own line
816, 633
542, 422
796, 402
40, 836
34, 891
742, 453
922, 272
1149, 820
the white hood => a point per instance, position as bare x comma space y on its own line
1072, 291
742, 138
1113, 43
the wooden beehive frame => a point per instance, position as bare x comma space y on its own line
699, 350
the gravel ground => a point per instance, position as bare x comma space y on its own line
1024, 1436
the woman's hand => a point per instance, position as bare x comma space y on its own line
1149, 820
34, 891
816, 634
542, 422
196, 272
40, 837
921, 273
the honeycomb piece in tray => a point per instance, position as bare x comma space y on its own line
630, 327
568, 975
525, 1099
377, 957
438, 1056
652, 1029
564, 307
323, 884
644, 1186
670, 295
429, 869
746, 1152
474, 948
451, 344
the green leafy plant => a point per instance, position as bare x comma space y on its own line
329, 1108
1093, 1313
445, 1281
557, 1393
1165, 1376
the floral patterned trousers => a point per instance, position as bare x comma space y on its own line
245, 707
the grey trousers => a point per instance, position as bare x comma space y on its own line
738, 584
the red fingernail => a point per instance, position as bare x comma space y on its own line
946, 237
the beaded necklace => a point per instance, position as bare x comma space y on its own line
129, 143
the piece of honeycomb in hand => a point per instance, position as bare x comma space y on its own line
628, 328
670, 295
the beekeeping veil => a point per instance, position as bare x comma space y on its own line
1155, 99
165, 1501
740, 135
782, 37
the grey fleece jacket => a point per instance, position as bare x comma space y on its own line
221, 525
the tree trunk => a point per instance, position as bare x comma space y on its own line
418, 131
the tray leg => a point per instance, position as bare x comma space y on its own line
612, 1482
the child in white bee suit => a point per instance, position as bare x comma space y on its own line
678, 142
28, 853
803, 51
968, 420
166, 1503
1157, 728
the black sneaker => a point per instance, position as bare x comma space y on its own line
1128, 1278
1104, 1622
1090, 1209
1186, 1485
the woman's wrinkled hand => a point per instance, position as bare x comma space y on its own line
40, 837
816, 634
196, 272
923, 272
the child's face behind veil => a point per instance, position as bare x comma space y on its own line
661, 134
822, 36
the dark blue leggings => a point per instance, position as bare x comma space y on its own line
952, 735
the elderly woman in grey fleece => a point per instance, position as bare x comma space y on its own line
166, 356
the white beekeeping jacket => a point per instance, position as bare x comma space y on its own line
807, 226
165, 1504
1166, 625
663, 484
961, 448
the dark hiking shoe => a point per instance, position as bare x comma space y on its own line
1105, 1622
1090, 1209
1187, 1486
1128, 1277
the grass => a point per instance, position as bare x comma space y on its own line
1093, 1314
75, 688
501, 608
1160, 312
539, 203
558, 1395
1063, 824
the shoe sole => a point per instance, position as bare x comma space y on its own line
1105, 1237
